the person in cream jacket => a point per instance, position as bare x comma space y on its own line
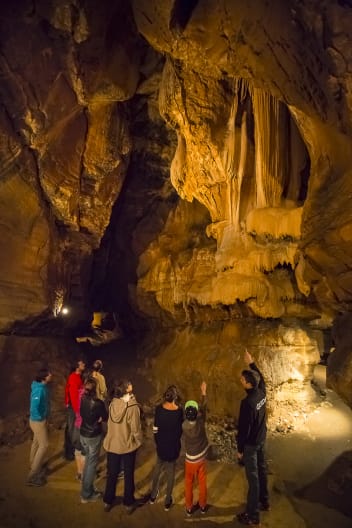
123, 438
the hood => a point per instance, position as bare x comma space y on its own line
118, 408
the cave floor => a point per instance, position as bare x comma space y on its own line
310, 479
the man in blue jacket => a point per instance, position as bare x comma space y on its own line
39, 412
250, 442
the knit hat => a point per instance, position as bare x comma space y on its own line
191, 403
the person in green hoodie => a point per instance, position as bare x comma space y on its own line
39, 412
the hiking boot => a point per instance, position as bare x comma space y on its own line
93, 498
168, 505
244, 518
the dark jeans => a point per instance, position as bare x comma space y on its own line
69, 450
114, 464
169, 468
255, 466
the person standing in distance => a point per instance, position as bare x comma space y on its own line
251, 442
39, 412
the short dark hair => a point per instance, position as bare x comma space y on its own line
97, 365
171, 394
90, 388
42, 373
251, 377
74, 364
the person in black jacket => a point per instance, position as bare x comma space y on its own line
250, 442
93, 413
167, 431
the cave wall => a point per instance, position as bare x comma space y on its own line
65, 144
182, 164
285, 353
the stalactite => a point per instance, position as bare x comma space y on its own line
241, 167
229, 152
270, 156
234, 156
177, 166
298, 159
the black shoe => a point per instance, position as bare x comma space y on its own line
130, 508
168, 505
244, 518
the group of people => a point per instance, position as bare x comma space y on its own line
121, 437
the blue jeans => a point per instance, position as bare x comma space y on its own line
255, 466
91, 447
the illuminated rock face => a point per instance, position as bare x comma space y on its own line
261, 141
285, 355
230, 131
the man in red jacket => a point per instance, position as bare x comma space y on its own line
73, 385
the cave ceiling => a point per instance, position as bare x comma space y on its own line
188, 160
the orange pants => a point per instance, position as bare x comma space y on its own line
192, 471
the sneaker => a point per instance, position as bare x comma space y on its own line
244, 518
152, 500
189, 512
36, 482
93, 498
203, 509
168, 505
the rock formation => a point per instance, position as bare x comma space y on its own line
187, 166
